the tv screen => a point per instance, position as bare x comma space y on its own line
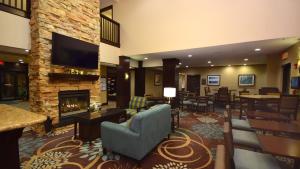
67, 51
295, 82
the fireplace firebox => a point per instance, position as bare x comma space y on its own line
73, 102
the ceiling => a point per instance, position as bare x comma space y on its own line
233, 54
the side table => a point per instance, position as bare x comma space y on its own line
175, 114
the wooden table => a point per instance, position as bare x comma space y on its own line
90, 123
274, 126
12, 122
281, 146
252, 98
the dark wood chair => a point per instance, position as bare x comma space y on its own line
201, 103
245, 159
223, 96
211, 99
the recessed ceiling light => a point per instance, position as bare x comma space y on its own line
209, 62
190, 56
245, 64
146, 58
187, 66
26, 50
180, 63
212, 65
257, 49
20, 60
246, 59
229, 65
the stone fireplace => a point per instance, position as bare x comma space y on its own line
73, 102
78, 19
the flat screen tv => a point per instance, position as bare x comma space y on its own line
295, 82
67, 51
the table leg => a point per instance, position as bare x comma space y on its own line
75, 130
178, 120
297, 164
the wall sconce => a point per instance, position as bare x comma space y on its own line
126, 76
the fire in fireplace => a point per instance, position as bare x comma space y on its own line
73, 102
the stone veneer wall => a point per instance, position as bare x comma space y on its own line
79, 19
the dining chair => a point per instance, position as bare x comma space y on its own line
245, 159
242, 138
201, 103
288, 105
236, 123
220, 162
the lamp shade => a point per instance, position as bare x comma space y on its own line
170, 92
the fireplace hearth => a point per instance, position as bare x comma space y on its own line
73, 102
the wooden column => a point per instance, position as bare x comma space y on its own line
140, 80
170, 74
123, 82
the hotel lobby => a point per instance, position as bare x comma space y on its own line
118, 84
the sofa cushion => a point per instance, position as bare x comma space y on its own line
241, 124
134, 126
245, 138
245, 159
187, 102
131, 112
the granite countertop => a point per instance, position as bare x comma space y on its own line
13, 118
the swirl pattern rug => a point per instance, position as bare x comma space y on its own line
191, 146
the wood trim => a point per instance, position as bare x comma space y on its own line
110, 7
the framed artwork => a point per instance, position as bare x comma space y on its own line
203, 81
157, 79
246, 80
213, 80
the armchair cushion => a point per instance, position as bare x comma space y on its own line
241, 124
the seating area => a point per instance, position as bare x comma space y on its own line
149, 84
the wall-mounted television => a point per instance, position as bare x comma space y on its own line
67, 51
295, 82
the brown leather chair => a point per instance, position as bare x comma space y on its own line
223, 96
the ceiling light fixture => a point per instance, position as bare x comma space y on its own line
245, 64
26, 50
146, 58
229, 65
20, 60
257, 49
212, 65
190, 56
180, 63
246, 59
187, 66
209, 62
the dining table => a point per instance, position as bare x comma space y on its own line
252, 98
281, 146
275, 126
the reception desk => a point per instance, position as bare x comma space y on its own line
12, 122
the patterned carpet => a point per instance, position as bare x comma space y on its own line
193, 145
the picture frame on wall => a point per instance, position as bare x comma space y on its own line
245, 80
157, 79
203, 81
213, 80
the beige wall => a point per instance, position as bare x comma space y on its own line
149, 26
293, 58
14, 31
229, 76
150, 88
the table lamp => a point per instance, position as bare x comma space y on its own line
169, 92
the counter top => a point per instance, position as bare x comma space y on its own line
13, 118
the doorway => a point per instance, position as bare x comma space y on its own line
193, 83
286, 76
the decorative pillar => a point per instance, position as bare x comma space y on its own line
170, 74
123, 82
140, 80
